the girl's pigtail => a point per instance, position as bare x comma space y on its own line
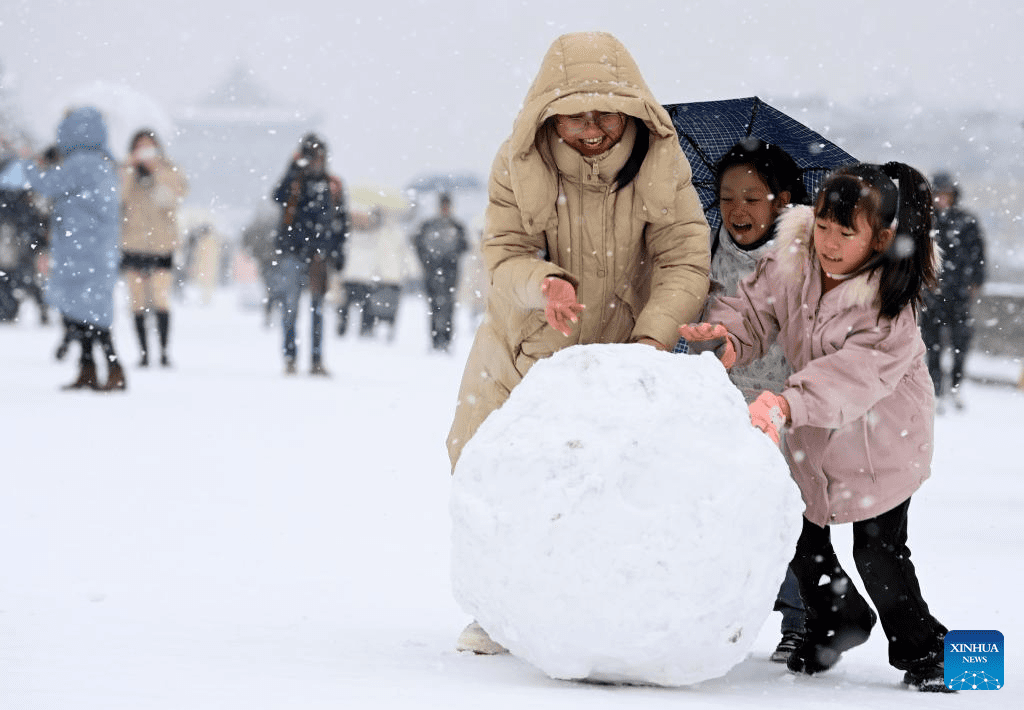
910, 258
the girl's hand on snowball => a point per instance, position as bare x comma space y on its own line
769, 413
710, 336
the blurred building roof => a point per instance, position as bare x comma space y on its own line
235, 141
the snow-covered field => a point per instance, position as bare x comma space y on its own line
224, 537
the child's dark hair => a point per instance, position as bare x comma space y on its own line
145, 133
908, 265
771, 163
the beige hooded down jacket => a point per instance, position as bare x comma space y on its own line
637, 256
861, 399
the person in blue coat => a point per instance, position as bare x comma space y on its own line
83, 189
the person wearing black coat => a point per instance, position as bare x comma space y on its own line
948, 308
310, 238
23, 237
439, 243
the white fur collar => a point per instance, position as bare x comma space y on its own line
794, 252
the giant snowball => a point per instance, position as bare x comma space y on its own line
618, 519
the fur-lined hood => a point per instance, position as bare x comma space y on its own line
795, 254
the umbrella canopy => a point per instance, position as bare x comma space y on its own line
708, 129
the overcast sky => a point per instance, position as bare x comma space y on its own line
407, 85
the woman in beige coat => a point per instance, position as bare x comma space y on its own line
593, 234
152, 189
635, 254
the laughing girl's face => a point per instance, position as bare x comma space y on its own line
747, 204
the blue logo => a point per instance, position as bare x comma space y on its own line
974, 660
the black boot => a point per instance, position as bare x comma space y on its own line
163, 326
928, 674
140, 330
829, 635
791, 640
837, 616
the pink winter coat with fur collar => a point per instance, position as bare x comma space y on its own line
862, 401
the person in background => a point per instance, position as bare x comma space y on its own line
390, 268
754, 183
259, 240
310, 238
356, 287
594, 232
439, 243
840, 291
204, 245
152, 188
23, 247
85, 231
375, 268
947, 309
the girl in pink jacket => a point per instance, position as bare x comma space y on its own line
840, 293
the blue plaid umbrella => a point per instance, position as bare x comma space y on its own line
708, 129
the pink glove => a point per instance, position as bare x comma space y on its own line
710, 336
562, 307
769, 413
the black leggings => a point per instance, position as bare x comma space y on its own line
86, 334
883, 560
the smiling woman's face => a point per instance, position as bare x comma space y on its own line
591, 133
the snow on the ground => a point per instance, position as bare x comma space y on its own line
223, 537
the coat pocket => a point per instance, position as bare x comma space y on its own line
621, 315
